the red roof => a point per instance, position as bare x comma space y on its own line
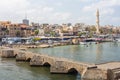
23, 26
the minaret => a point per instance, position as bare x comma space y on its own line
97, 22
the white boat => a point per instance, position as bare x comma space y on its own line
118, 40
83, 43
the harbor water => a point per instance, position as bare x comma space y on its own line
90, 53
12, 70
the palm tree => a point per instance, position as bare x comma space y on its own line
36, 32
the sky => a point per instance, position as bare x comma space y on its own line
61, 11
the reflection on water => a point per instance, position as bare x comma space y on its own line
116, 44
92, 53
99, 49
11, 70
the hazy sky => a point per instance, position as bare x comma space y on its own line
61, 11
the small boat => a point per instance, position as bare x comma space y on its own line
83, 43
118, 40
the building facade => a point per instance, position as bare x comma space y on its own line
7, 29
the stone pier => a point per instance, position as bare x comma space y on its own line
21, 56
9, 53
113, 74
94, 74
107, 71
36, 61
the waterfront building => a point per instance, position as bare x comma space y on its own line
25, 30
44, 25
66, 30
5, 23
35, 25
3, 28
75, 30
41, 32
2, 31
80, 25
14, 30
7, 29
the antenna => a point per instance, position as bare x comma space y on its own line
25, 15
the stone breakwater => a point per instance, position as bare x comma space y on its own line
106, 71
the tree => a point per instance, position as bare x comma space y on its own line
93, 28
52, 33
90, 35
18, 33
102, 31
81, 33
63, 31
7, 31
87, 29
36, 32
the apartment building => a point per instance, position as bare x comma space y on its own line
14, 30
